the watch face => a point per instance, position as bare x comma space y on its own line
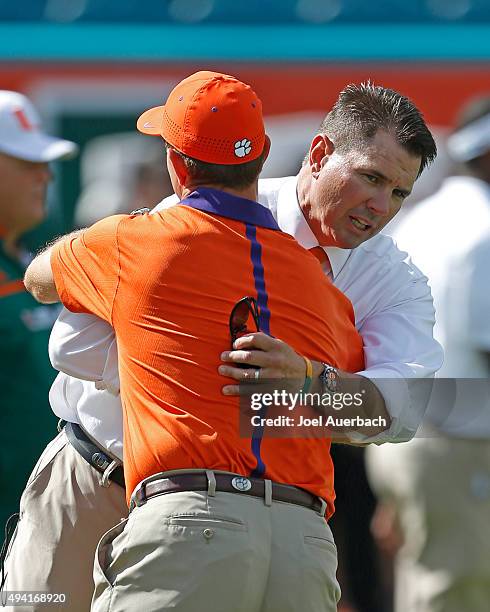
330, 378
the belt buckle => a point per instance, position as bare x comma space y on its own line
241, 484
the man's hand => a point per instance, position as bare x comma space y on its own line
275, 358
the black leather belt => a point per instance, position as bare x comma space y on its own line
92, 453
228, 483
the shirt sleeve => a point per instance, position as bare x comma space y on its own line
84, 347
86, 269
401, 358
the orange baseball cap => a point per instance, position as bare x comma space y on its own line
211, 117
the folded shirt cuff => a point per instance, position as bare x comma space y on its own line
406, 401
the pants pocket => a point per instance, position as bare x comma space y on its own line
321, 566
205, 521
47, 456
102, 574
176, 561
324, 543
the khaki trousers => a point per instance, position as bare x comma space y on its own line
192, 552
63, 513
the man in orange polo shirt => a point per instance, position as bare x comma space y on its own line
211, 528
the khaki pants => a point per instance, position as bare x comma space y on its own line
64, 512
190, 552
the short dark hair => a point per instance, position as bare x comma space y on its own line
361, 110
236, 176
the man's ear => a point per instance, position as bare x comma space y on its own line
177, 167
320, 150
267, 147
265, 151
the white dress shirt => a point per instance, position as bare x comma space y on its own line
97, 411
393, 310
448, 236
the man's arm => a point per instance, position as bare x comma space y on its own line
395, 317
81, 269
84, 346
39, 279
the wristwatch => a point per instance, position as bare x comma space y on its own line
329, 377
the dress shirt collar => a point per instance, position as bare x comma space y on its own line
227, 205
292, 221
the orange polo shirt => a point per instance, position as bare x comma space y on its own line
167, 283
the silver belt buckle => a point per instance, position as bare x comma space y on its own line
241, 484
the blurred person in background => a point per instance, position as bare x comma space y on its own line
25, 372
120, 173
435, 497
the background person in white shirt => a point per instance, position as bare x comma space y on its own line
438, 485
352, 183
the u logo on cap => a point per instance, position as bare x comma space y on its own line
24, 122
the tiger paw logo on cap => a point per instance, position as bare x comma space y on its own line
242, 147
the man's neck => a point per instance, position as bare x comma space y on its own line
303, 187
303, 190
249, 193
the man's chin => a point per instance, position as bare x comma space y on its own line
36, 216
350, 241
344, 238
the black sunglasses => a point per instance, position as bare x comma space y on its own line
240, 316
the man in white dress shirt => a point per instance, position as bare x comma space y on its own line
354, 180
439, 484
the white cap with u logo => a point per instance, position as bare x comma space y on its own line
21, 135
